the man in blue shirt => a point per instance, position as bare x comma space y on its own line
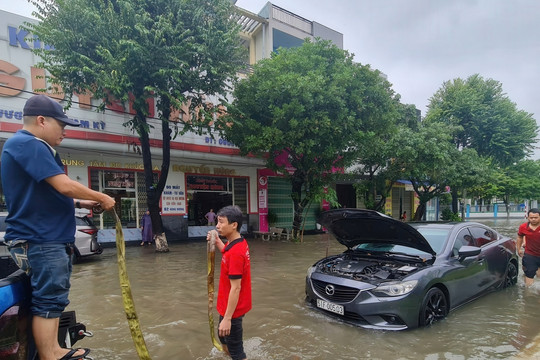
41, 201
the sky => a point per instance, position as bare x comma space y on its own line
420, 44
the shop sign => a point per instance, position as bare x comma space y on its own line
116, 164
206, 183
202, 169
18, 37
72, 162
173, 200
220, 141
119, 180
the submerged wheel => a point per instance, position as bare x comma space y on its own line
511, 277
434, 307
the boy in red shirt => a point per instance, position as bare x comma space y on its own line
234, 293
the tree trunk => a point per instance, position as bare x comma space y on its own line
420, 211
152, 192
455, 201
297, 182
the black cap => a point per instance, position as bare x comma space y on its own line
45, 106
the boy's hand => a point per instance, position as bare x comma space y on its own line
212, 235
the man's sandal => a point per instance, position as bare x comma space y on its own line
71, 354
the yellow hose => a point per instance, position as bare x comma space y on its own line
129, 305
211, 255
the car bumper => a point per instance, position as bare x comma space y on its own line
88, 247
365, 309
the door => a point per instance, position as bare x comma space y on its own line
468, 277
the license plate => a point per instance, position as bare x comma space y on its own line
335, 308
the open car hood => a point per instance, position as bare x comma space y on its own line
352, 227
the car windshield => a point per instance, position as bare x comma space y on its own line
435, 237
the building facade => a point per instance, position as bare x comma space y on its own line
205, 172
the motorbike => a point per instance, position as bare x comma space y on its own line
16, 341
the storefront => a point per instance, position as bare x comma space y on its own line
205, 172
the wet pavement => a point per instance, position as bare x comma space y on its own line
171, 301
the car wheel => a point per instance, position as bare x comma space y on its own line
434, 307
511, 276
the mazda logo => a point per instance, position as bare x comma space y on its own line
329, 289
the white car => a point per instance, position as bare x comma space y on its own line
86, 243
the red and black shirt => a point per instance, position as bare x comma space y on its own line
532, 239
235, 264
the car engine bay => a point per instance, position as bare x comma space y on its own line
359, 268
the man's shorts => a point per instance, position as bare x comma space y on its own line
234, 341
51, 270
530, 264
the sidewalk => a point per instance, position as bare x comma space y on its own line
531, 352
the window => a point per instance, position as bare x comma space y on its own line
483, 235
463, 238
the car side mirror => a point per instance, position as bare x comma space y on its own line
468, 251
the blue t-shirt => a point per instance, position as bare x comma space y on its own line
37, 212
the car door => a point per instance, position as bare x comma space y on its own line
494, 254
466, 278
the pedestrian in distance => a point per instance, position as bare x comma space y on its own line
146, 229
41, 204
234, 292
403, 216
211, 217
528, 246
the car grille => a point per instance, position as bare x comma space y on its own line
341, 294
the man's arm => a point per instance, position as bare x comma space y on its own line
234, 294
70, 188
519, 245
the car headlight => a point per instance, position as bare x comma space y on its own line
395, 288
310, 271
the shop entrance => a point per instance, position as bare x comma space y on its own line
200, 202
346, 195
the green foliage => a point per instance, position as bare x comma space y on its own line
313, 104
176, 51
448, 215
426, 158
514, 183
445, 199
485, 119
490, 131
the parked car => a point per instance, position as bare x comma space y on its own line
86, 243
397, 275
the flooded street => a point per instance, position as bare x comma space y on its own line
171, 301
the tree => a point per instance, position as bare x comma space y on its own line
378, 172
175, 51
313, 103
427, 158
485, 119
517, 182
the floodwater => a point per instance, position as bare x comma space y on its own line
171, 302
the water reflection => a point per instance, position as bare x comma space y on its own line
171, 301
